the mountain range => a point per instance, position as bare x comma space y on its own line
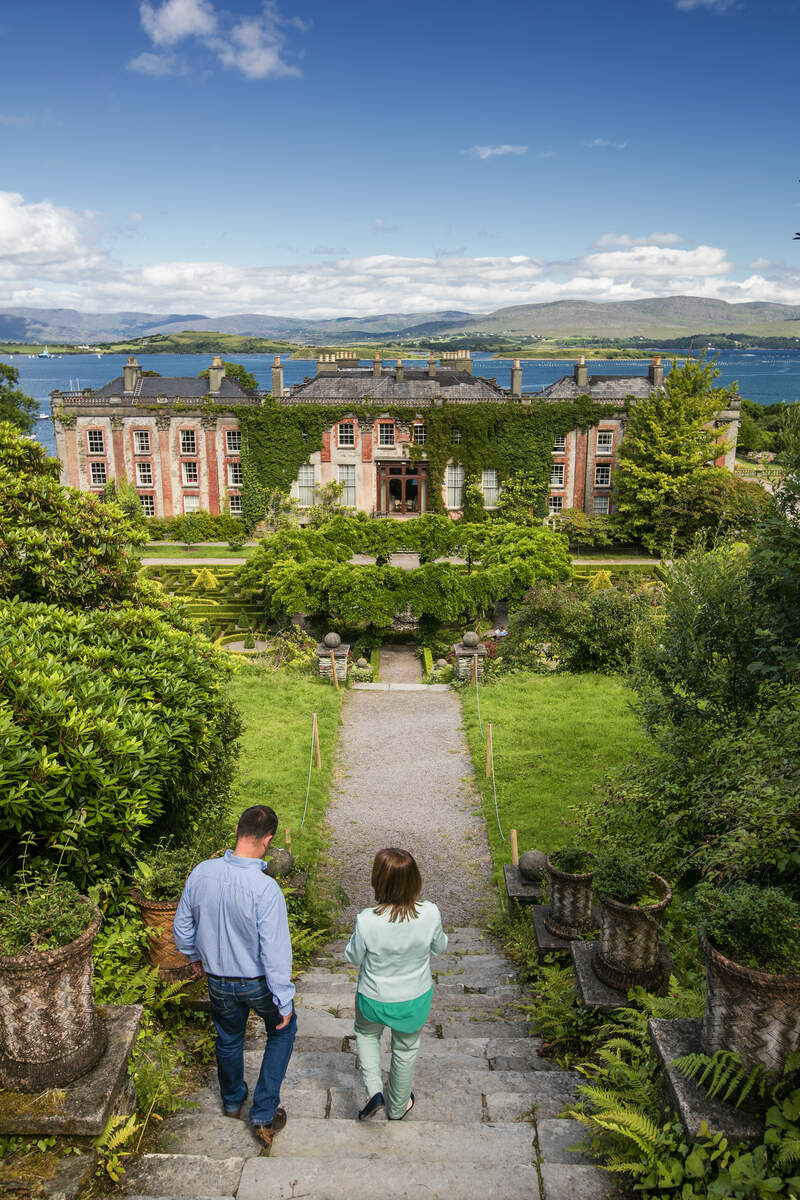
664, 316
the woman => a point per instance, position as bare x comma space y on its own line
392, 944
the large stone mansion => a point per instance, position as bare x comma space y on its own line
183, 456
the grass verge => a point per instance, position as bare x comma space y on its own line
556, 738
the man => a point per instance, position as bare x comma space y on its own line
232, 918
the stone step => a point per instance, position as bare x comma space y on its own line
416, 1141
315, 1024
563, 1181
556, 1137
342, 1000
340, 985
282, 1178
182, 1175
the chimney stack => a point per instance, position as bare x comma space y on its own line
656, 372
399, 374
131, 374
516, 380
326, 365
581, 372
431, 366
277, 378
376, 366
216, 374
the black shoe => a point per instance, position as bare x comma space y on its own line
371, 1107
265, 1133
235, 1112
405, 1114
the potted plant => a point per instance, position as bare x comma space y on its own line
157, 885
632, 904
50, 1030
571, 871
750, 937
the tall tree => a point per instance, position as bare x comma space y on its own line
15, 406
238, 374
668, 445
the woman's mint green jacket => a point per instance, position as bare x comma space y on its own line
394, 959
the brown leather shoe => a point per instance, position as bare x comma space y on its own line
265, 1133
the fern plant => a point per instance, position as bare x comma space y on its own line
723, 1070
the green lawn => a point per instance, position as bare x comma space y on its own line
273, 765
555, 739
201, 550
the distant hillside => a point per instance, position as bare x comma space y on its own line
69, 325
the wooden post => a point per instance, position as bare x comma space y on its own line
335, 676
316, 742
475, 669
288, 837
488, 751
514, 848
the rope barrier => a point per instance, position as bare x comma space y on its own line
494, 788
308, 784
477, 693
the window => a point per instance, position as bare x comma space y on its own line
188, 441
556, 504
235, 505
560, 443
605, 441
97, 443
347, 433
347, 476
420, 434
148, 505
455, 486
189, 470
233, 440
97, 474
557, 475
305, 485
141, 441
191, 504
602, 477
489, 487
455, 437
600, 504
386, 433
234, 474
144, 474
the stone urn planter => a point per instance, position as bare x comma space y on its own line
570, 914
50, 1030
627, 953
162, 953
754, 1013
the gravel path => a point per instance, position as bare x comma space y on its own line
404, 778
399, 664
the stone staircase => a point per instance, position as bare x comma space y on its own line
485, 1125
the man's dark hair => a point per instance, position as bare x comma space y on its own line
256, 822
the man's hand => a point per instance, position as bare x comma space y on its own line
197, 970
285, 1021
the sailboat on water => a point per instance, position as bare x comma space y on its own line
44, 353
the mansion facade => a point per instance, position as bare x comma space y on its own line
160, 434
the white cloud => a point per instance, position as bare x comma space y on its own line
658, 262
712, 5
485, 152
381, 226
253, 45
605, 143
43, 238
652, 239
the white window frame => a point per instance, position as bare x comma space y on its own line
191, 503
306, 485
141, 441
95, 469
148, 503
601, 504
419, 434
607, 445
233, 441
341, 439
188, 441
557, 474
560, 443
190, 474
347, 476
602, 476
454, 479
143, 470
455, 437
490, 486
385, 429
556, 504
234, 474
95, 433
235, 505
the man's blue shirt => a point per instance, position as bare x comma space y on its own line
232, 917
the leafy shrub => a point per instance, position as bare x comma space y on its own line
622, 877
754, 926
160, 873
573, 860
427, 661
585, 529
202, 527
41, 917
360, 675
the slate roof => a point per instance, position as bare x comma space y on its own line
602, 388
354, 386
174, 387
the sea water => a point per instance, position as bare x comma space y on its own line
765, 376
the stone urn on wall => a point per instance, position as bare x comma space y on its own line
50, 1030
162, 953
628, 950
570, 914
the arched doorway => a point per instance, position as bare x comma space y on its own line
402, 488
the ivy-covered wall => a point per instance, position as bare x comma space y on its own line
277, 440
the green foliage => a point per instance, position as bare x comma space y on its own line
160, 873
757, 927
203, 527
41, 918
622, 876
16, 408
585, 529
775, 570
238, 374
123, 493
573, 860
427, 661
723, 1075
716, 503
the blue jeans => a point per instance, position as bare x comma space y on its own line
231, 1003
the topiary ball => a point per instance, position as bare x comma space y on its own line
532, 865
362, 664
332, 640
279, 862
470, 639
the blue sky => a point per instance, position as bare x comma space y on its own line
317, 159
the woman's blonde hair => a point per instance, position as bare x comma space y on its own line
397, 883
